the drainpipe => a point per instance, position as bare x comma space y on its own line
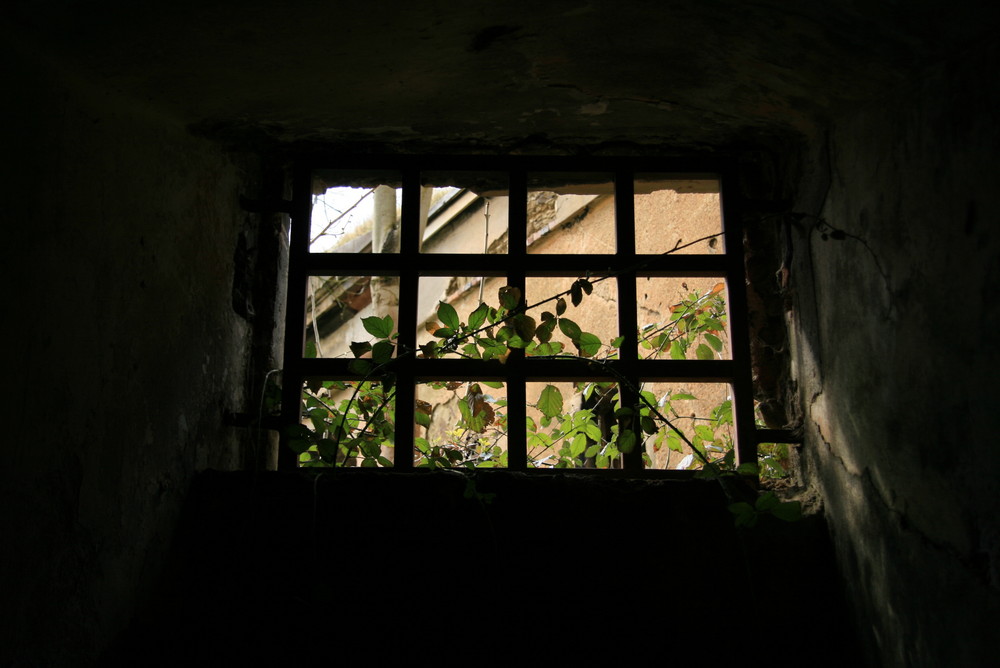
385, 237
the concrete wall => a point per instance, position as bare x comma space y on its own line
896, 329
123, 351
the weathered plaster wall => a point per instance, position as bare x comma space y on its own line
123, 351
128, 328
896, 335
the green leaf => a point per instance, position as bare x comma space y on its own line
550, 348
310, 351
592, 450
593, 431
359, 348
744, 513
299, 445
624, 412
550, 401
544, 331
617, 341
444, 332
478, 317
767, 502
704, 432
327, 449
516, 341
495, 384
682, 396
579, 445
588, 344
446, 314
525, 326
384, 461
560, 306
703, 352
676, 350
382, 352
378, 327
370, 448
570, 329
714, 341
509, 296
648, 424
789, 511
492, 349
626, 441
423, 419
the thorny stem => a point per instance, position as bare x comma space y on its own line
456, 339
453, 341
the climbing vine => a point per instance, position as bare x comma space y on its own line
348, 423
568, 426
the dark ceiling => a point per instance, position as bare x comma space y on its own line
691, 74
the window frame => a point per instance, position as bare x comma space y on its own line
517, 264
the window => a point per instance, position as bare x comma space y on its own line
602, 376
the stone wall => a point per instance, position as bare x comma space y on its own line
123, 350
896, 329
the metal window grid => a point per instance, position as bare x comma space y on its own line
410, 264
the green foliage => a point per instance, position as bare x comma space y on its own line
352, 423
747, 515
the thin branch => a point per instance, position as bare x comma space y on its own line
338, 218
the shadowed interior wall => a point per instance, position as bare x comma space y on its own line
123, 352
120, 227
897, 330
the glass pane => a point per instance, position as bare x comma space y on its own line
671, 212
345, 424
571, 213
355, 212
461, 423
450, 308
573, 425
701, 412
336, 310
464, 212
596, 317
682, 318
773, 459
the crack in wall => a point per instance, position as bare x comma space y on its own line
897, 517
